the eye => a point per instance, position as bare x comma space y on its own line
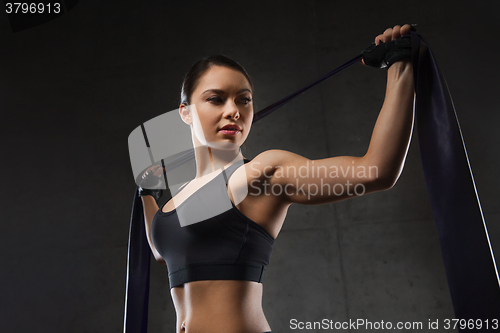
215, 99
246, 100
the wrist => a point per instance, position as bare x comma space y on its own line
401, 65
155, 194
401, 69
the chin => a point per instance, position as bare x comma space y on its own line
223, 145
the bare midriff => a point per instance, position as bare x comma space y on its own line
219, 306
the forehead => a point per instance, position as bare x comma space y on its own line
224, 78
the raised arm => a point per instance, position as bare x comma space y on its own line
338, 178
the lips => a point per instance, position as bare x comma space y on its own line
230, 129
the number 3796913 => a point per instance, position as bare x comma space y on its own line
32, 8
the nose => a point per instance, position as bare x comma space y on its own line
231, 110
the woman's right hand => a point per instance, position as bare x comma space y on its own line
152, 178
152, 182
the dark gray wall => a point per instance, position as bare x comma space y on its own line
73, 89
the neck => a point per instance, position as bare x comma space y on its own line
209, 159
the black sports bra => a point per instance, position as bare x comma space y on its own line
207, 238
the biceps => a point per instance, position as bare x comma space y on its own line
312, 182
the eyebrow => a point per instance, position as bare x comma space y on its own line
220, 91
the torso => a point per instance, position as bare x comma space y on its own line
219, 306
265, 210
198, 303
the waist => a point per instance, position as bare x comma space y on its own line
219, 306
217, 271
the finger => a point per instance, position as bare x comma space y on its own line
387, 35
396, 32
405, 29
379, 39
148, 171
152, 169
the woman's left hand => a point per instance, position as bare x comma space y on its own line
392, 33
384, 56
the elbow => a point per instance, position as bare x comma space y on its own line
387, 182
383, 182
382, 175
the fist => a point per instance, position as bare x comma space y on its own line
152, 178
155, 170
388, 48
393, 33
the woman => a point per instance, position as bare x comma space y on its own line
212, 292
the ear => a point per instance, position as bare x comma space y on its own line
185, 114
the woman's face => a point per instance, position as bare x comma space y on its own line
222, 97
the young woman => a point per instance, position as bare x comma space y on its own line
216, 261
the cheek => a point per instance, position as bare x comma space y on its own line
206, 121
199, 126
248, 123
198, 130
247, 131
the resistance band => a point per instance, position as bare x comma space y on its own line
465, 245
468, 258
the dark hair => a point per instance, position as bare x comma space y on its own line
200, 67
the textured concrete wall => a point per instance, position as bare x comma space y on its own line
73, 89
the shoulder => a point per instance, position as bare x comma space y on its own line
276, 157
269, 161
